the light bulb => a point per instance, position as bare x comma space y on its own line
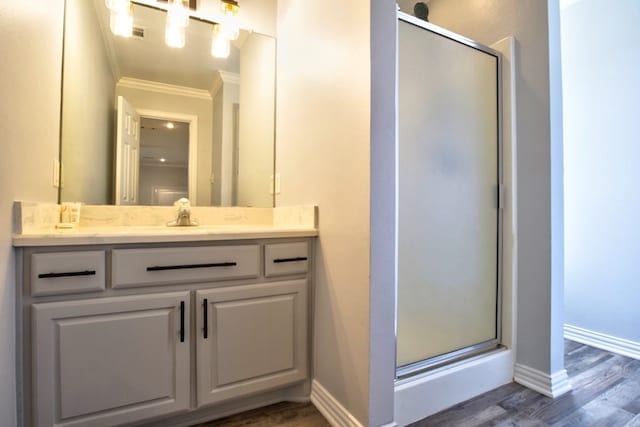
230, 23
174, 36
177, 14
121, 24
220, 46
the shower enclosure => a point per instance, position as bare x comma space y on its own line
449, 197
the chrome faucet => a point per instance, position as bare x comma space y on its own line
183, 218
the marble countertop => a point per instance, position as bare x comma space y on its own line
158, 234
35, 224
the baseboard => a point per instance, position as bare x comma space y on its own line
333, 411
603, 341
553, 385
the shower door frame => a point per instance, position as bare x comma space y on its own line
468, 352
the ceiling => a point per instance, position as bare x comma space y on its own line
149, 58
158, 142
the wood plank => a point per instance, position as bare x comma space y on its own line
584, 358
470, 407
595, 416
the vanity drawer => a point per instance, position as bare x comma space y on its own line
286, 258
149, 267
67, 272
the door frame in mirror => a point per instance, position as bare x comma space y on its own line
193, 143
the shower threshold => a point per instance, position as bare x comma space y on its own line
447, 360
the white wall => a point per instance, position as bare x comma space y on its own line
30, 43
602, 198
323, 155
88, 113
202, 108
539, 161
257, 116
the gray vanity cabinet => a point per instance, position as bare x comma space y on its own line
110, 360
164, 334
250, 338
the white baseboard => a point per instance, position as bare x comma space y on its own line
553, 385
603, 341
333, 411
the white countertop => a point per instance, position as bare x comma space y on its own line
157, 234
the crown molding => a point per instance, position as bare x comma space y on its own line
221, 77
165, 88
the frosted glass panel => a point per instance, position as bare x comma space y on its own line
448, 177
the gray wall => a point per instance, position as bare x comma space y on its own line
257, 116
323, 155
88, 113
601, 60
30, 48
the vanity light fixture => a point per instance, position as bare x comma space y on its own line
230, 23
170, 125
220, 45
121, 17
162, 160
177, 21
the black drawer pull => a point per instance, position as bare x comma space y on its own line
205, 308
188, 266
296, 259
181, 321
67, 274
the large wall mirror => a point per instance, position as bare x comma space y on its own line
146, 124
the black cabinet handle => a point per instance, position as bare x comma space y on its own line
296, 259
181, 321
67, 274
205, 309
188, 266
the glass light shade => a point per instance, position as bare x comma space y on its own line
220, 46
118, 6
174, 36
121, 24
230, 23
177, 14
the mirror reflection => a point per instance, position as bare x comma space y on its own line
143, 123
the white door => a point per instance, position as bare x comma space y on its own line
127, 154
110, 361
250, 338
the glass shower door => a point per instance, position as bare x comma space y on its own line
448, 180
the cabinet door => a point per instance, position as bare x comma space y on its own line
110, 361
250, 338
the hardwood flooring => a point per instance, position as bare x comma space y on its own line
286, 414
606, 393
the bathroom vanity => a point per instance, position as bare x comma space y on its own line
162, 326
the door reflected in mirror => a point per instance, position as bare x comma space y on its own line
115, 90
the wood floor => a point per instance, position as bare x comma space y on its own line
286, 414
606, 393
